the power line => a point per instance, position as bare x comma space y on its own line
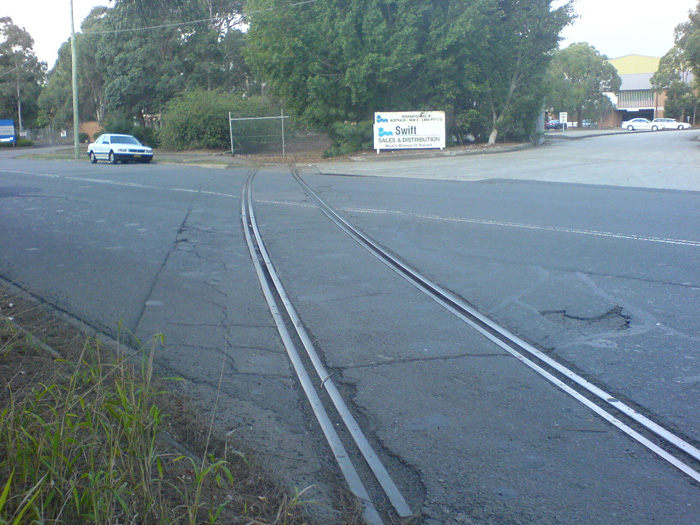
164, 26
22, 66
191, 22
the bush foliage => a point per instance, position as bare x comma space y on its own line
349, 137
199, 119
125, 125
20, 143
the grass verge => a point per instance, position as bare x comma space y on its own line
94, 439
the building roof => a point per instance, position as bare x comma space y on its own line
635, 64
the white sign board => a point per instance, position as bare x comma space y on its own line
563, 116
409, 130
7, 130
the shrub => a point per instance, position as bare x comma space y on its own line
119, 124
349, 137
20, 143
125, 125
199, 119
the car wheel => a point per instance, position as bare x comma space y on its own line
655, 128
93, 159
630, 128
112, 158
146, 161
680, 127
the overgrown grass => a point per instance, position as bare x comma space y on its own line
89, 445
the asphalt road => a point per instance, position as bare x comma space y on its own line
588, 249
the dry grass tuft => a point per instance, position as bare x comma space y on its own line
92, 439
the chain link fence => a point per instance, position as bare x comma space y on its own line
50, 136
277, 135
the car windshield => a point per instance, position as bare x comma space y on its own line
124, 139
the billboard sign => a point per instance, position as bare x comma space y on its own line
409, 130
7, 130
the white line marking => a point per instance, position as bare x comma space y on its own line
122, 184
508, 224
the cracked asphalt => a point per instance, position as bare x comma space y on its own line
589, 249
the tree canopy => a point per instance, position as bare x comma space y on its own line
56, 100
579, 77
332, 63
483, 61
137, 55
21, 74
687, 39
679, 70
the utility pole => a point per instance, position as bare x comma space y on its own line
74, 62
19, 100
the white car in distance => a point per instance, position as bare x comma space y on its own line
670, 123
641, 123
115, 148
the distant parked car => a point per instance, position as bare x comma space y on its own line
555, 124
641, 123
118, 148
670, 123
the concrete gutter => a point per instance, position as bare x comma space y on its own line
583, 134
431, 154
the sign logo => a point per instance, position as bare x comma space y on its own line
409, 130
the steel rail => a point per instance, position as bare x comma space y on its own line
515, 345
381, 474
373, 461
338, 449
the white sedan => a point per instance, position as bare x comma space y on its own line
641, 123
115, 148
670, 123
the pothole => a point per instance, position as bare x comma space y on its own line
612, 320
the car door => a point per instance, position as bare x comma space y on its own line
102, 147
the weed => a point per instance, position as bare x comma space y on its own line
86, 447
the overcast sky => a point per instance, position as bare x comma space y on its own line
614, 27
627, 27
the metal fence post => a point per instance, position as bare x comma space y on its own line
282, 119
230, 130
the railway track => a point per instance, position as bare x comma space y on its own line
672, 448
284, 314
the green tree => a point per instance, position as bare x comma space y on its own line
341, 60
154, 50
57, 97
512, 58
687, 40
21, 74
580, 77
674, 75
142, 68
